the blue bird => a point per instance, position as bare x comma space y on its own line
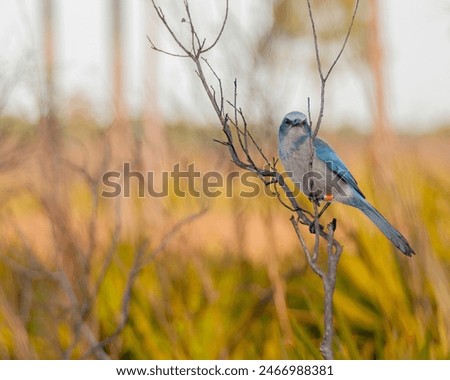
329, 179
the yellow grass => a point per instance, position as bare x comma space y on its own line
210, 293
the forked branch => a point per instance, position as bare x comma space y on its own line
241, 147
324, 78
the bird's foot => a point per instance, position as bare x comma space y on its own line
312, 227
328, 197
315, 198
320, 197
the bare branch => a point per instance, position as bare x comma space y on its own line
218, 81
154, 47
194, 35
270, 175
308, 255
162, 17
141, 259
290, 208
316, 43
221, 30
329, 283
258, 148
309, 112
329, 279
345, 40
324, 78
316, 237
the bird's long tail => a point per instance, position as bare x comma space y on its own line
388, 230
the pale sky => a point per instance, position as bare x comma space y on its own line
416, 34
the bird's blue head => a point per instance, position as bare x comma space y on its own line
295, 121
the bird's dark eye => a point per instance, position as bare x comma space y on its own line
287, 121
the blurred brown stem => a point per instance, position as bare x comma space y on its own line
142, 258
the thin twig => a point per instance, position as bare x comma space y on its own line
221, 30
312, 263
324, 78
316, 236
218, 81
338, 57
154, 47
316, 43
329, 280
161, 16
304, 217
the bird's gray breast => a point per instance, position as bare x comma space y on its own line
295, 154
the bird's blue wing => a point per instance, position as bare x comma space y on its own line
326, 154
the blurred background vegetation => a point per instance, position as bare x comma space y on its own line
84, 276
